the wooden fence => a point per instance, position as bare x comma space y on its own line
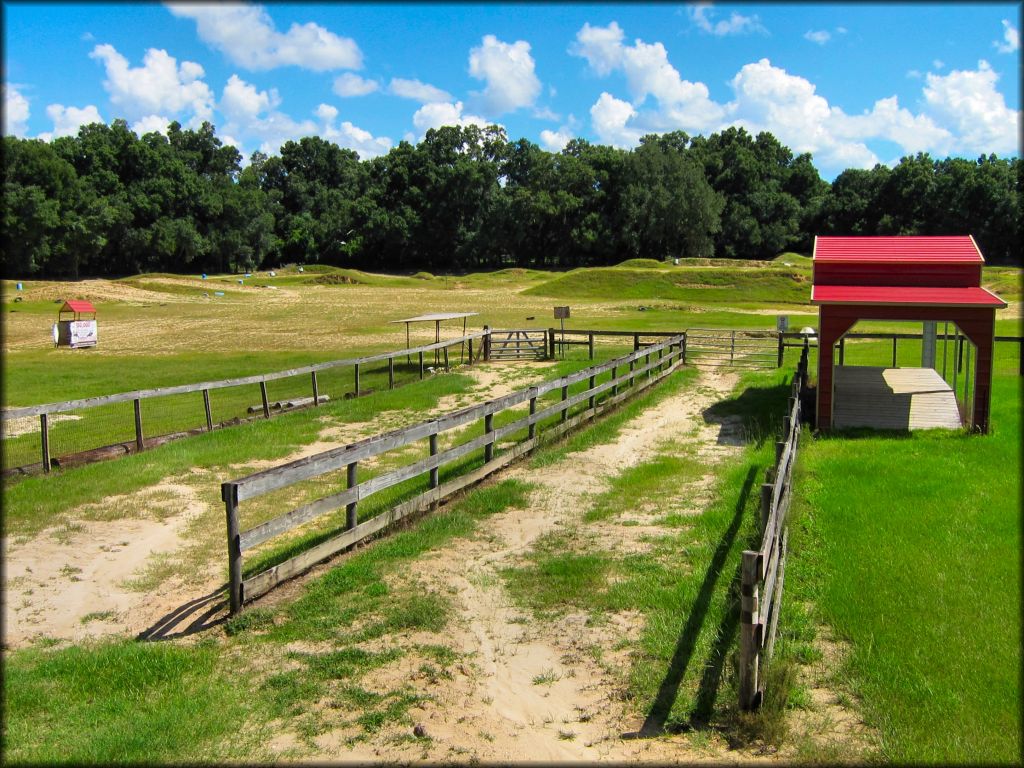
626, 376
763, 570
141, 441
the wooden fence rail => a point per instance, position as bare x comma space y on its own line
626, 378
763, 570
141, 441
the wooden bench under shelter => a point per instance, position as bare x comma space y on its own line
902, 278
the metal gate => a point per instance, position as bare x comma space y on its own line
725, 347
518, 344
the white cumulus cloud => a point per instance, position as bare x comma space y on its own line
600, 46
16, 112
159, 85
437, 114
67, 120
349, 85
967, 102
154, 124
508, 71
555, 141
1011, 39
819, 36
350, 136
737, 24
417, 91
248, 37
609, 117
240, 101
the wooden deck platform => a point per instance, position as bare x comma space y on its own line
893, 398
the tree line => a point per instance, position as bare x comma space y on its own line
107, 202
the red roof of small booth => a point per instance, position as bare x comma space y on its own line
76, 305
960, 249
904, 295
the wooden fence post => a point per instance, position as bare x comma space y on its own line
590, 343
893, 351
229, 495
356, 368
139, 442
682, 349
615, 375
766, 504
446, 359
421, 366
487, 343
565, 396
631, 365
44, 434
636, 341
551, 343
209, 413
531, 431
591, 386
391, 373
266, 402
433, 452
489, 429
780, 446
351, 517
842, 351
782, 350
471, 351
316, 389
749, 640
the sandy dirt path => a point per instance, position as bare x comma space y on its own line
496, 710
74, 580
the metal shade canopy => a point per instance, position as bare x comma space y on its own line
436, 318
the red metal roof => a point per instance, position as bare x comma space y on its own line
903, 295
76, 305
905, 249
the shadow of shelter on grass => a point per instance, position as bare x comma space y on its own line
654, 724
760, 410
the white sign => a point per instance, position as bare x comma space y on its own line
83, 332
782, 323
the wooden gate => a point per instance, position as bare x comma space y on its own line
518, 344
725, 347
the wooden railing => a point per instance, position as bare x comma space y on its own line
141, 441
763, 570
626, 377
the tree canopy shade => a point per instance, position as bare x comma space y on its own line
108, 202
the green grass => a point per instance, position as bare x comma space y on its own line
693, 284
684, 586
909, 547
36, 502
127, 702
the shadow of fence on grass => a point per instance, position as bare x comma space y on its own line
193, 616
654, 724
756, 409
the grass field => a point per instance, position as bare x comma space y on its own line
906, 548
910, 549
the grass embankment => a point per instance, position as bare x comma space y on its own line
699, 285
909, 547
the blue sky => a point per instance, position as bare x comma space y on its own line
853, 84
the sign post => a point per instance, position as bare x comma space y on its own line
560, 314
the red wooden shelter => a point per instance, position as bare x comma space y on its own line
902, 279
